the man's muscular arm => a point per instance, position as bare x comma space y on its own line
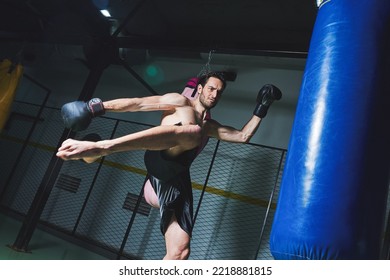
167, 101
77, 115
230, 134
265, 97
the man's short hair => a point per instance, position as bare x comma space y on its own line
215, 74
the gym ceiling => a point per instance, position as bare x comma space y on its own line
166, 27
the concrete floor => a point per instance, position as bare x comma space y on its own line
43, 246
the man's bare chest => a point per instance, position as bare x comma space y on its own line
183, 115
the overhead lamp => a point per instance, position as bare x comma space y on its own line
105, 13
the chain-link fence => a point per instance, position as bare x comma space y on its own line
234, 186
235, 189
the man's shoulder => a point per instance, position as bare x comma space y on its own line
176, 98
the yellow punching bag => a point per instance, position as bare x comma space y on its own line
9, 79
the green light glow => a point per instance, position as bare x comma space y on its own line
151, 71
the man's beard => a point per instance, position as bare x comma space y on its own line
206, 104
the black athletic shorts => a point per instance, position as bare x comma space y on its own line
170, 179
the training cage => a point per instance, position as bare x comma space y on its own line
100, 206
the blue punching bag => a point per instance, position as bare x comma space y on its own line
332, 200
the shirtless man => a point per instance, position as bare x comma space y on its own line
170, 147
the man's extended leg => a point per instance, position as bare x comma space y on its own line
175, 138
177, 242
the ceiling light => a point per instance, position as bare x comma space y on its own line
105, 13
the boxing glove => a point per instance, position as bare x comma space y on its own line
77, 115
267, 94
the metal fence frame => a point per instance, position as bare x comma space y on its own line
122, 252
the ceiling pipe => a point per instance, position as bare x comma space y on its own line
128, 17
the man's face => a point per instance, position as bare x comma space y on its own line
210, 93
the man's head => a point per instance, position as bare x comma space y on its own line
210, 87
